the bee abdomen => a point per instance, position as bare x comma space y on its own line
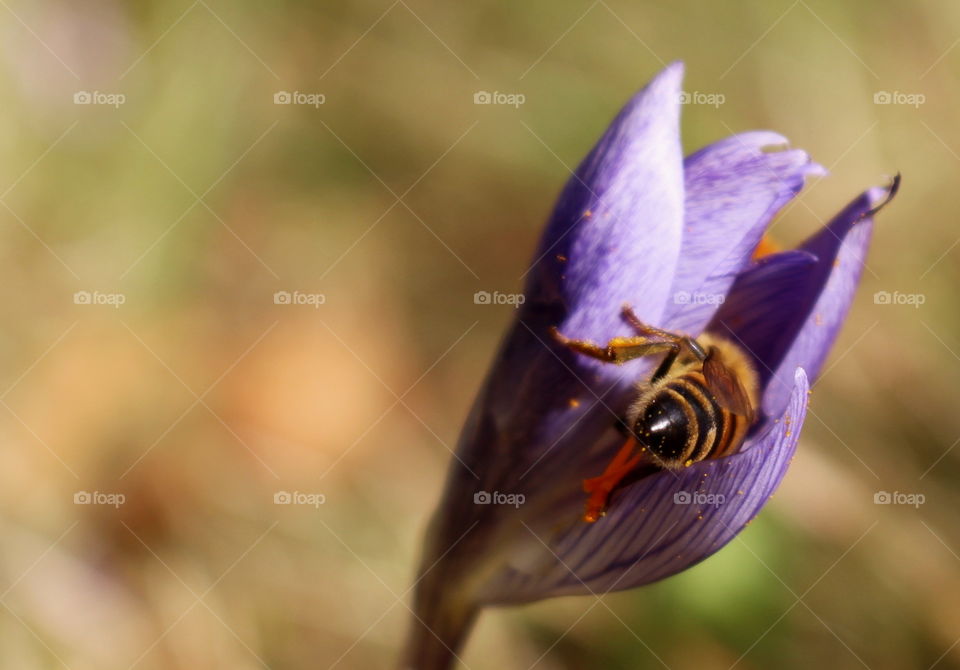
705, 435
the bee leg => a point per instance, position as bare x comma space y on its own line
681, 342
584, 347
618, 350
601, 487
644, 329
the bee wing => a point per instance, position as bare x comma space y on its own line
726, 386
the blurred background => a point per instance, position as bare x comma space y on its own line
240, 247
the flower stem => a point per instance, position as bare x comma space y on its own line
440, 625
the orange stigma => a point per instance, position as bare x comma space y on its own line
601, 487
765, 247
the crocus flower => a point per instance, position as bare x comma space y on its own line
674, 238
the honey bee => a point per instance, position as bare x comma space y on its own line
698, 404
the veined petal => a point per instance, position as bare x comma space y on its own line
614, 236
798, 326
733, 190
663, 523
767, 306
842, 249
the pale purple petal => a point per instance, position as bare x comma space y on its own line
649, 534
733, 190
625, 251
842, 249
614, 236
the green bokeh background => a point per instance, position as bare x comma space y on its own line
199, 398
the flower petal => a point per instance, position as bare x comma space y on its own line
649, 532
625, 251
842, 249
766, 306
733, 190
614, 236
796, 325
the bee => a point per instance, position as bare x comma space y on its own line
698, 404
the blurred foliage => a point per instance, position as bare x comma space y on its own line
200, 398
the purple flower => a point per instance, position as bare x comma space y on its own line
674, 238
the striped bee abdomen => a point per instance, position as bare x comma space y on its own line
680, 422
